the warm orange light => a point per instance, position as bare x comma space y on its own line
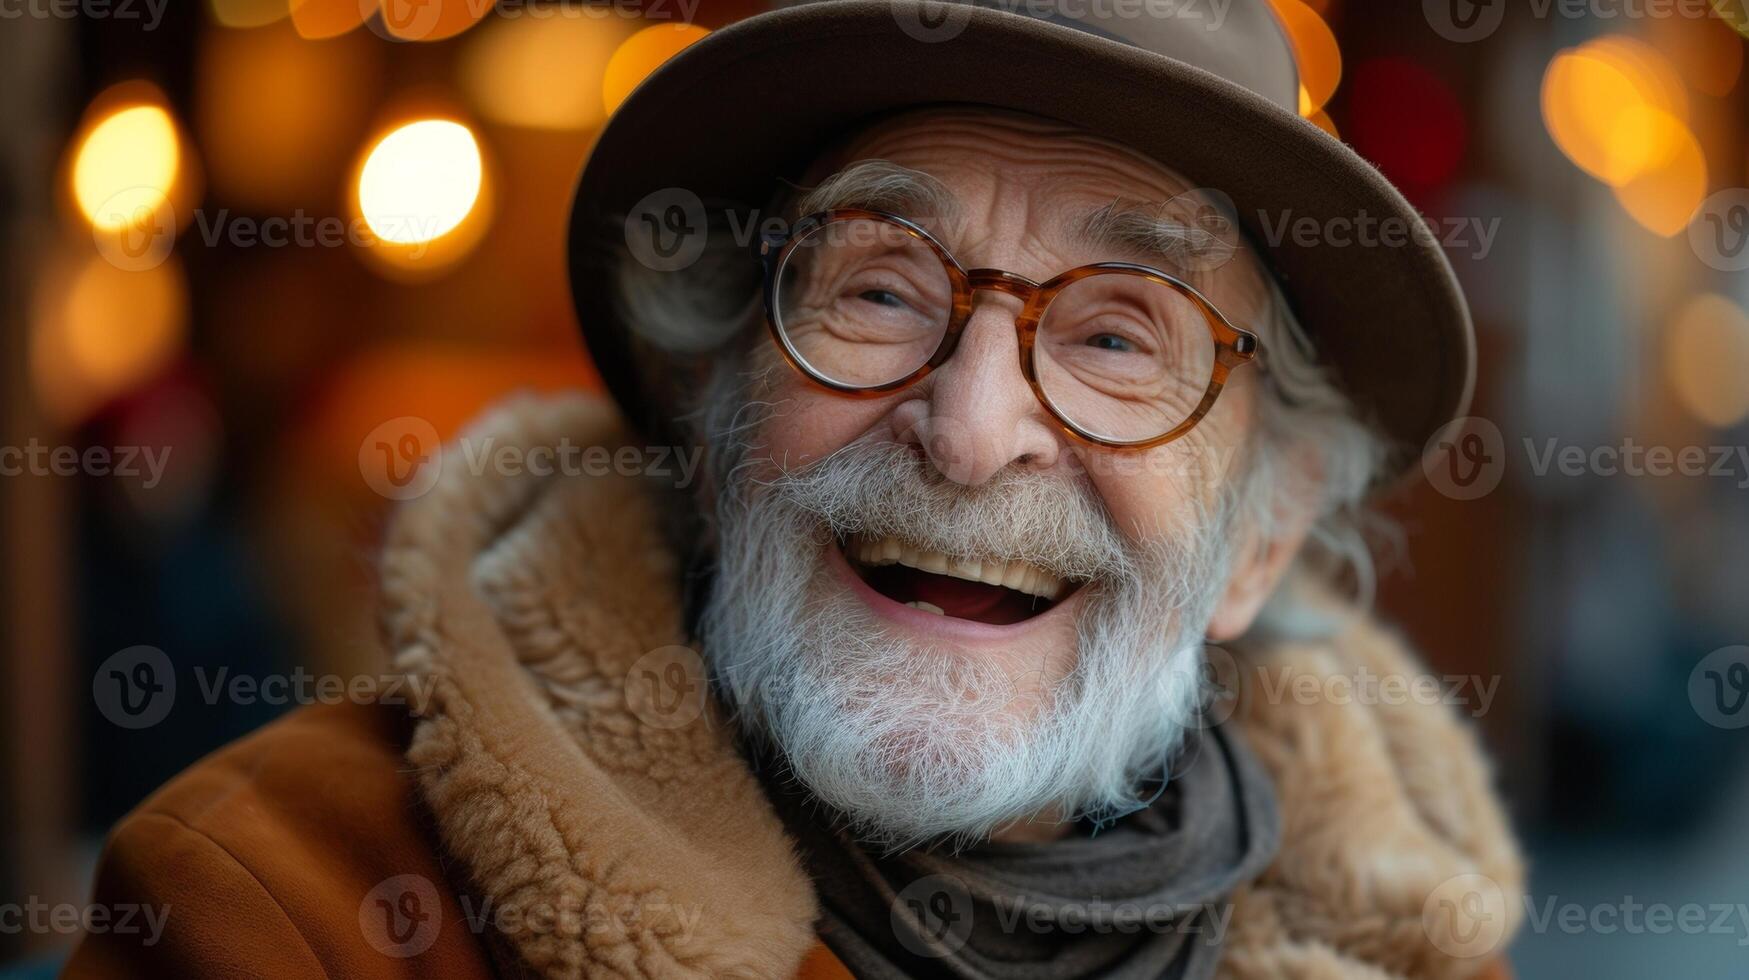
422, 197
1616, 109
278, 117
641, 54
249, 13
126, 165
1667, 191
1315, 51
507, 70
1706, 358
420, 181
430, 20
100, 330
317, 19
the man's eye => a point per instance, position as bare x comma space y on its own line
881, 297
1110, 341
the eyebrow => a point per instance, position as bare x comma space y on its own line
879, 185
1152, 229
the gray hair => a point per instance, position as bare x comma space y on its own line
1311, 446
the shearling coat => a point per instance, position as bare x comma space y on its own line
525, 818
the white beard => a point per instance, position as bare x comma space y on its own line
915, 744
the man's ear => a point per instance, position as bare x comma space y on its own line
1259, 562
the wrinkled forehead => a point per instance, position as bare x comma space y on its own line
969, 141
952, 165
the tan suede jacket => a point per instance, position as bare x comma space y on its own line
528, 817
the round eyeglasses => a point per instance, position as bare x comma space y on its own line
865, 303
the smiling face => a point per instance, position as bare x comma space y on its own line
944, 608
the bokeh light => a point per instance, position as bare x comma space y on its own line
316, 19
1609, 105
421, 197
641, 54
428, 20
508, 68
1315, 51
1706, 359
420, 181
126, 163
99, 330
1665, 192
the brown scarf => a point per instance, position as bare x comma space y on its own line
1144, 897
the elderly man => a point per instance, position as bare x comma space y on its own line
1015, 442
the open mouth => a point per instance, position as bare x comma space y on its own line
995, 592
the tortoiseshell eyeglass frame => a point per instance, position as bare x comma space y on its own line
1233, 345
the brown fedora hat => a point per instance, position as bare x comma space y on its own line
1207, 88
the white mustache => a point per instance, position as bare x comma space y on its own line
886, 489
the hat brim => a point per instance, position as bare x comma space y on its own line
751, 104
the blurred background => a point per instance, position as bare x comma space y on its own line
204, 267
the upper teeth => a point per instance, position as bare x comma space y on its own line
1017, 575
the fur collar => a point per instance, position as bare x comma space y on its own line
527, 602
